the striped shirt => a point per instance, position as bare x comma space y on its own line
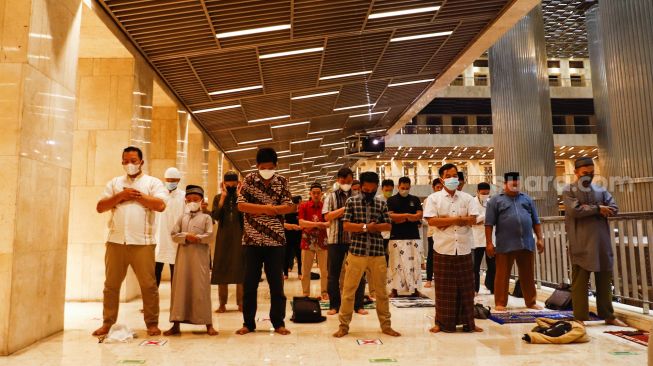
132, 223
264, 230
336, 200
359, 211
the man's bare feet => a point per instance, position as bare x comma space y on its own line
153, 330
211, 331
172, 331
536, 307
243, 331
391, 332
616, 322
435, 329
340, 333
102, 331
282, 331
362, 312
332, 312
428, 284
477, 329
500, 308
221, 309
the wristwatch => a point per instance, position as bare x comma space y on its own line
364, 227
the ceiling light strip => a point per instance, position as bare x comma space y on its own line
268, 119
345, 75
228, 91
246, 32
421, 36
411, 82
255, 141
291, 53
325, 131
395, 13
217, 108
315, 95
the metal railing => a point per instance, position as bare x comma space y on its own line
484, 129
554, 81
632, 272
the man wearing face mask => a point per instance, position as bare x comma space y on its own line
587, 208
338, 242
132, 199
515, 216
365, 218
404, 249
481, 199
452, 213
166, 248
264, 198
228, 260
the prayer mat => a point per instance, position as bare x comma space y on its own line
638, 336
412, 302
324, 305
530, 316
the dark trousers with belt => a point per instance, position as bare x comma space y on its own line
272, 260
335, 260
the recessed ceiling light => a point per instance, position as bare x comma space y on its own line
421, 36
239, 150
366, 114
308, 140
375, 131
315, 157
325, 131
291, 124
403, 12
246, 32
236, 90
315, 95
333, 144
345, 75
354, 107
217, 108
254, 141
291, 53
268, 119
411, 82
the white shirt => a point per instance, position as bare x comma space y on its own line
384, 234
166, 248
479, 228
454, 240
131, 223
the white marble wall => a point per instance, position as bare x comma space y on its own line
39, 41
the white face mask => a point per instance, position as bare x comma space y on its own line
266, 173
192, 206
451, 183
131, 169
171, 186
404, 192
345, 187
484, 197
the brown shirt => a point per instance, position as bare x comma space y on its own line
264, 230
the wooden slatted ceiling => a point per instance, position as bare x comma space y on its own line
178, 36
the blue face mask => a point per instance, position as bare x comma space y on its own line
171, 186
451, 183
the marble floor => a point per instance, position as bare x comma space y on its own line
312, 344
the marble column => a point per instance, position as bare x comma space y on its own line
521, 110
620, 34
39, 44
197, 162
114, 109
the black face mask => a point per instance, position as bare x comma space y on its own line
586, 180
231, 190
368, 196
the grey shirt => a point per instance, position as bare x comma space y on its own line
587, 231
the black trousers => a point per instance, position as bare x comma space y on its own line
158, 269
429, 260
271, 259
491, 270
335, 260
293, 250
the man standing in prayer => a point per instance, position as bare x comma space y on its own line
587, 208
366, 216
405, 247
437, 187
452, 213
190, 301
313, 240
228, 260
515, 217
132, 199
481, 199
264, 199
166, 248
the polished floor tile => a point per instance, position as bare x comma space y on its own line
312, 344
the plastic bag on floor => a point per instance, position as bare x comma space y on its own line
119, 333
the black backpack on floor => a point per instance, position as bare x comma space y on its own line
560, 299
306, 310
